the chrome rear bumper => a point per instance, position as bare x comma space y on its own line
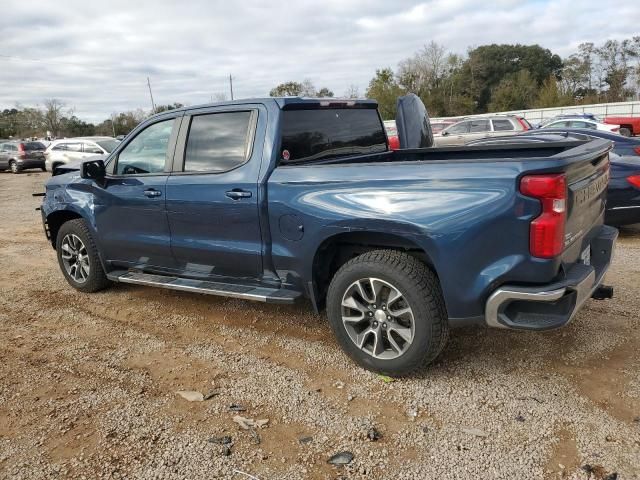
554, 305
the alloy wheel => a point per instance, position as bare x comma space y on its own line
75, 258
378, 318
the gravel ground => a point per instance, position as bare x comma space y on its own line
88, 384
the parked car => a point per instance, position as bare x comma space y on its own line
18, 156
437, 127
629, 126
623, 192
581, 123
66, 150
282, 198
564, 116
481, 127
623, 146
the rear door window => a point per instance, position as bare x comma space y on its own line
218, 142
502, 124
478, 126
33, 146
462, 127
316, 134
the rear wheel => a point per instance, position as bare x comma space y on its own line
13, 165
78, 257
387, 312
624, 131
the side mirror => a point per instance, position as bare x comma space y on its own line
444, 133
94, 170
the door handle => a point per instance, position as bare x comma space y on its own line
152, 192
237, 194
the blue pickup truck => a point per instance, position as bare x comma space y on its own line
280, 199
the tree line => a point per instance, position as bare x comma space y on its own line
60, 121
492, 78
487, 78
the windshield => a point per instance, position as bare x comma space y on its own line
108, 145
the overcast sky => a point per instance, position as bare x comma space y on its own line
96, 56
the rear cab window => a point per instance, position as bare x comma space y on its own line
315, 134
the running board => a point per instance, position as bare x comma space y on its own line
245, 292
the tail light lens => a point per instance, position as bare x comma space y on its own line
615, 129
634, 180
546, 239
21, 151
394, 142
637, 150
525, 125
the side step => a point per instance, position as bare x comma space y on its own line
245, 292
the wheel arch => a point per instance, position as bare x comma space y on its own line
56, 219
336, 250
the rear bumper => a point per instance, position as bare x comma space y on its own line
30, 163
545, 307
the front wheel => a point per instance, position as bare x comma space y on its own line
387, 312
14, 166
78, 257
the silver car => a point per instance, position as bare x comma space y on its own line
480, 127
63, 151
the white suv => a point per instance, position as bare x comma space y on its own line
60, 152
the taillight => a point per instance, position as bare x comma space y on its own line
524, 124
637, 150
21, 151
615, 129
634, 180
546, 239
394, 142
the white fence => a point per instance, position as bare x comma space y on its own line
537, 115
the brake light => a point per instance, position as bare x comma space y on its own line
394, 142
615, 129
546, 238
525, 125
637, 150
21, 151
634, 180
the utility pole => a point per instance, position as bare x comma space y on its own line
153, 105
113, 126
231, 86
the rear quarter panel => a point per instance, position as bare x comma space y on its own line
468, 218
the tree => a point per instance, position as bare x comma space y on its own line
164, 108
288, 89
515, 92
385, 90
352, 92
489, 65
53, 115
324, 92
551, 95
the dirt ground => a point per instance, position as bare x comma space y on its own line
88, 384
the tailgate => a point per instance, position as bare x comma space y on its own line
587, 181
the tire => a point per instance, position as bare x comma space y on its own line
13, 165
88, 282
625, 132
419, 290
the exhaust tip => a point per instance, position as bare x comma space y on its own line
603, 292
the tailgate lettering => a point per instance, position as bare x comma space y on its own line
592, 190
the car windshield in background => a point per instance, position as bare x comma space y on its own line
309, 135
31, 146
108, 145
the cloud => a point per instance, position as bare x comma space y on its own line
96, 57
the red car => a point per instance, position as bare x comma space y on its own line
629, 126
